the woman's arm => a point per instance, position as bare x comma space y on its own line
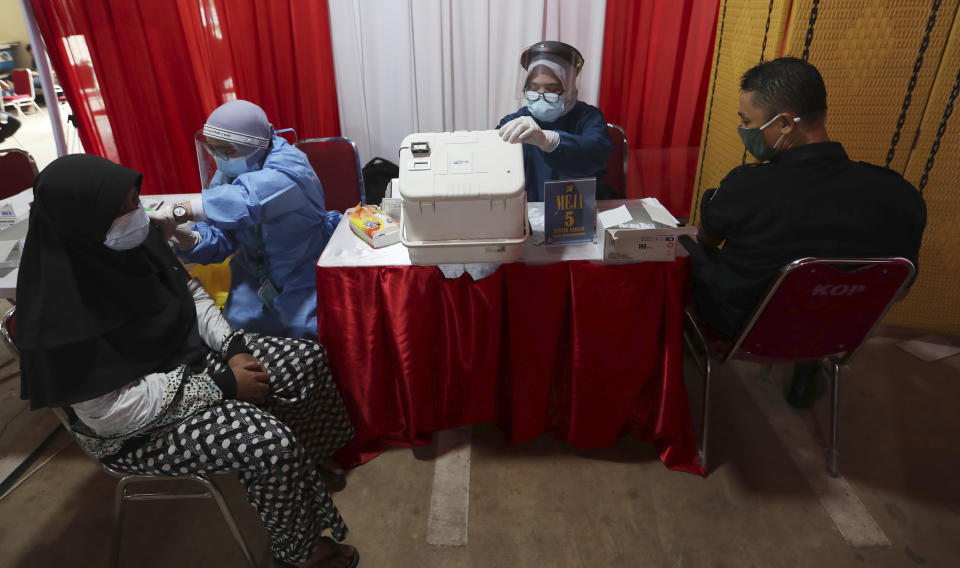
127, 408
214, 245
135, 404
213, 327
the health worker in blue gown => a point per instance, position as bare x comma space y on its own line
562, 138
263, 204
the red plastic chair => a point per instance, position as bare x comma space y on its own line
289, 135
337, 164
18, 170
816, 309
24, 93
617, 162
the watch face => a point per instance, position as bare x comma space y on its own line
179, 211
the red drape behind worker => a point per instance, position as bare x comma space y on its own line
656, 69
141, 77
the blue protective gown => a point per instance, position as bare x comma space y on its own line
584, 148
285, 199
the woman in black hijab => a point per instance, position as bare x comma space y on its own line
109, 325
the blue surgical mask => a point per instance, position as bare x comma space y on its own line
544, 111
755, 144
233, 167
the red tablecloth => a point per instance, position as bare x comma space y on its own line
579, 350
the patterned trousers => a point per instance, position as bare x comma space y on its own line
274, 447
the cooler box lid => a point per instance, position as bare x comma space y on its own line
460, 166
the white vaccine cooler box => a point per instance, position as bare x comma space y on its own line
463, 198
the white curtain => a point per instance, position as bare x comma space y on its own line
442, 65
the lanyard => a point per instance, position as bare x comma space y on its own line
261, 258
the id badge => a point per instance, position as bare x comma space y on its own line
267, 293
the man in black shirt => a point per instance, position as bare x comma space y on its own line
808, 199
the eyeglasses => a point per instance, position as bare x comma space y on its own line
535, 95
222, 150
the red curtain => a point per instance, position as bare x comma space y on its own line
656, 70
141, 77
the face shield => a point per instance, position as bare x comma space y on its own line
233, 141
232, 153
542, 65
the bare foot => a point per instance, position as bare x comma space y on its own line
330, 554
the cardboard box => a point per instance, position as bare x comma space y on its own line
641, 230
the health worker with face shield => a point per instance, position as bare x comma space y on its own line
264, 204
562, 138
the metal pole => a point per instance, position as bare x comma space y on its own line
46, 77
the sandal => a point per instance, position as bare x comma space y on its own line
354, 553
333, 482
333, 476
343, 550
331, 467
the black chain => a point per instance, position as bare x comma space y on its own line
766, 30
917, 65
809, 39
706, 132
947, 111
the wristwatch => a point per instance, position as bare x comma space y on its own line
179, 213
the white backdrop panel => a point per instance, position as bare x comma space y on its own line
442, 65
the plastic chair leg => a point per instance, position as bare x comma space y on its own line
691, 330
834, 411
705, 420
214, 491
120, 499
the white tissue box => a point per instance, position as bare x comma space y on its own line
640, 231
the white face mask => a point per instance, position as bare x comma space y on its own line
129, 230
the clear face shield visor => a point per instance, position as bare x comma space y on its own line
213, 144
563, 61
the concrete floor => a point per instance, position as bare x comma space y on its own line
36, 135
543, 503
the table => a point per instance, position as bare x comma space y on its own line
21, 207
559, 343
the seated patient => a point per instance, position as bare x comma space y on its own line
109, 324
563, 138
807, 198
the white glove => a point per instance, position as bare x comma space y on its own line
163, 219
184, 237
180, 235
525, 129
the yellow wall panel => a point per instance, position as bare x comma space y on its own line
742, 27
934, 300
867, 51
